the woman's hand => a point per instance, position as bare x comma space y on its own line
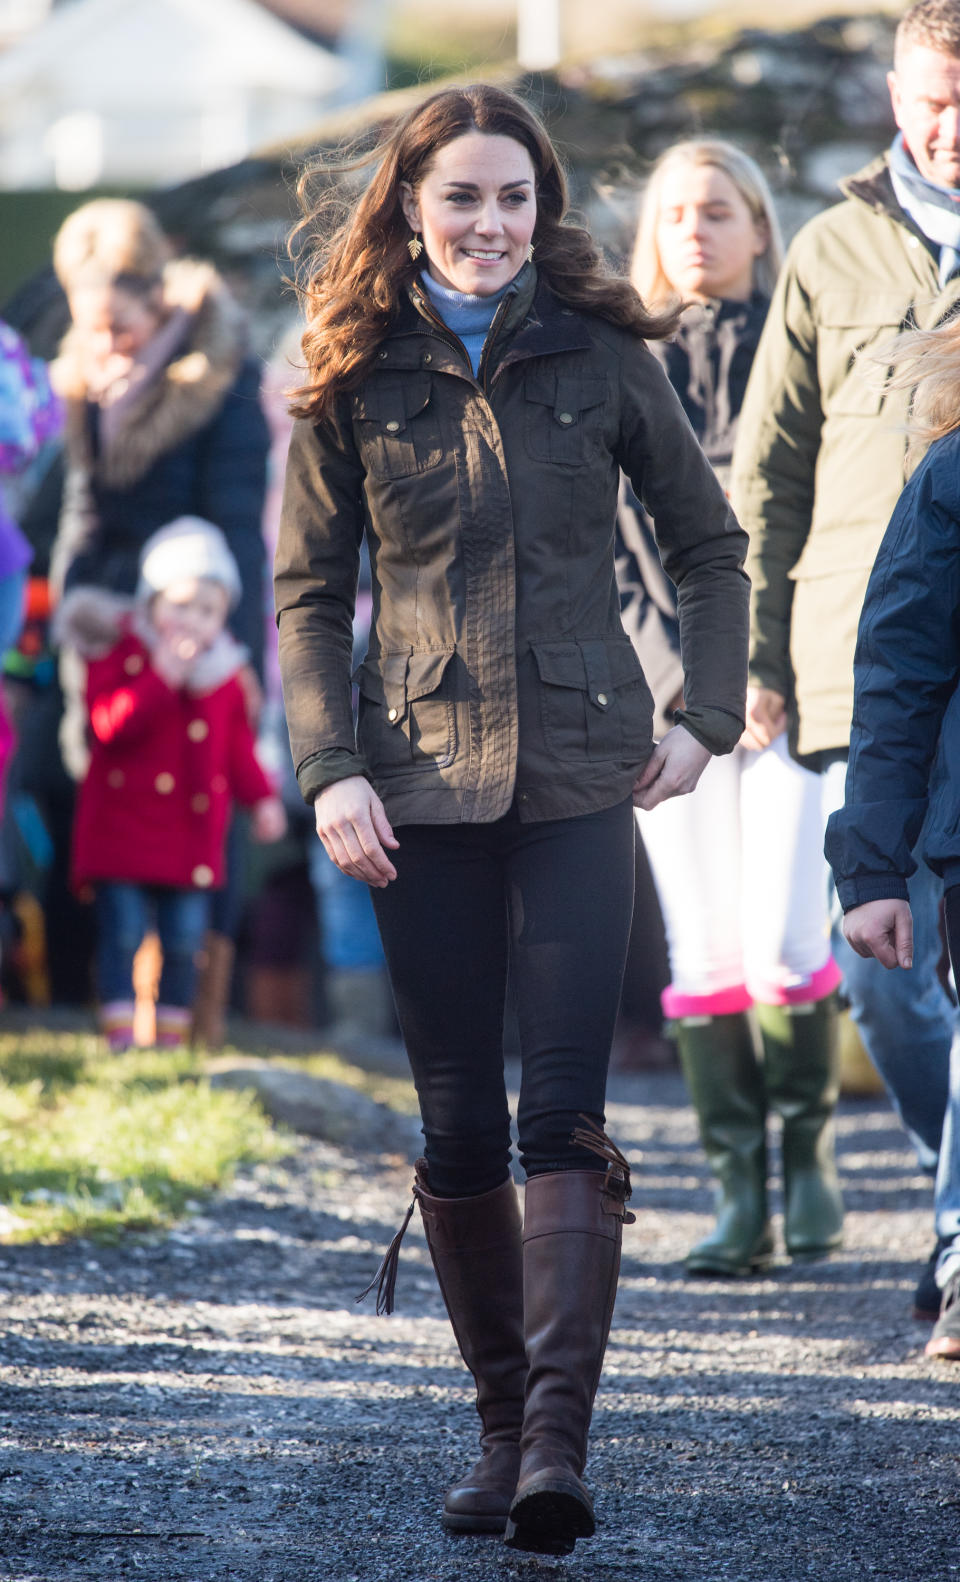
673, 769
354, 828
766, 718
883, 929
172, 657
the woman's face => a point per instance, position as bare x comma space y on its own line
115, 324
476, 209
706, 235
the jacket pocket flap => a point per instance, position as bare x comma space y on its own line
864, 311
591, 666
425, 672
565, 394
384, 680
392, 402
560, 664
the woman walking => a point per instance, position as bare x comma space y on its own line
737, 865
476, 382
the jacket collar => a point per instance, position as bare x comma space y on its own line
873, 187
535, 324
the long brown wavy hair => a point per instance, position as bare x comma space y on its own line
350, 281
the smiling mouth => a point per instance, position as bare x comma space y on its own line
481, 256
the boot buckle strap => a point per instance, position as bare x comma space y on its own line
616, 1187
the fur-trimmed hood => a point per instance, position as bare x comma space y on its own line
172, 403
91, 621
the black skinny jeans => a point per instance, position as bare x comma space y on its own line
552, 899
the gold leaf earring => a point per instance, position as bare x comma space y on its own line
414, 247
530, 254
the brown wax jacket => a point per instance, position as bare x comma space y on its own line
498, 665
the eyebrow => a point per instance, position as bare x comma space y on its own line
473, 186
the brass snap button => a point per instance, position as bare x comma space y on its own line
565, 417
393, 714
382, 356
393, 427
602, 698
428, 357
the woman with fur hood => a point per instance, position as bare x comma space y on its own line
163, 420
163, 416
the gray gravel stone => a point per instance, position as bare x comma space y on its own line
321, 1108
213, 1406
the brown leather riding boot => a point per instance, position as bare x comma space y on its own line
212, 994
572, 1229
476, 1249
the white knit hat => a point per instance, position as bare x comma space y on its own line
188, 547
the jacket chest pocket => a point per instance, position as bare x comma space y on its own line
562, 416
406, 715
594, 700
851, 331
398, 426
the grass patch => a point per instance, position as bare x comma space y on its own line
93, 1144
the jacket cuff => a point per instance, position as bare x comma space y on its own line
715, 729
326, 768
871, 887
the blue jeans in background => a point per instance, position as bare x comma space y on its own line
349, 937
125, 914
906, 1019
13, 591
909, 1028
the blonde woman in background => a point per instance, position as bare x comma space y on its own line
738, 864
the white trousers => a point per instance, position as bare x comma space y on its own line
742, 881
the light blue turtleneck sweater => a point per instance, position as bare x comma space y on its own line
469, 316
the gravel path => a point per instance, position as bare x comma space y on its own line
212, 1405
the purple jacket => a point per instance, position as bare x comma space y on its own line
30, 414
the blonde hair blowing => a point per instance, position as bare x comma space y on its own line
646, 270
928, 363
109, 240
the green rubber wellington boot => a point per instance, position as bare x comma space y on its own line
802, 1074
726, 1087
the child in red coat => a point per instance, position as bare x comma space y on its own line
170, 750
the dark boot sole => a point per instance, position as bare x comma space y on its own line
743, 1271
473, 1524
812, 1254
548, 1521
705, 1268
925, 1315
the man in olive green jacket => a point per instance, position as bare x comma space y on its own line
819, 464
